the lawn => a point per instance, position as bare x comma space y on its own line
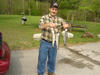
19, 36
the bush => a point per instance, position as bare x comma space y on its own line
63, 13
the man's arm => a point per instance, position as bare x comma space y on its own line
66, 25
51, 25
44, 25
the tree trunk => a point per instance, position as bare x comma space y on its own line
9, 6
72, 19
23, 6
29, 10
37, 3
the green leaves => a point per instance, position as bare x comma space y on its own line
69, 4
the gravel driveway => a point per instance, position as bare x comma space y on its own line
24, 62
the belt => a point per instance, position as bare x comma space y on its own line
47, 41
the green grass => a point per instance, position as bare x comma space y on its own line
19, 36
92, 27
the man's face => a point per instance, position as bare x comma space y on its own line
53, 11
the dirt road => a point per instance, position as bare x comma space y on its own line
24, 62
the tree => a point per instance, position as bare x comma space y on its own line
23, 6
29, 9
69, 4
96, 7
92, 7
9, 4
37, 3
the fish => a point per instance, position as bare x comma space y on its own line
57, 40
65, 37
53, 37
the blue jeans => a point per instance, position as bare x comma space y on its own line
45, 51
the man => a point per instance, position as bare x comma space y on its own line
46, 50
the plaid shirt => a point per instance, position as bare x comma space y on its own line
46, 33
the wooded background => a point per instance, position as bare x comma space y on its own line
87, 10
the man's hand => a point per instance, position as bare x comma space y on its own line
52, 25
66, 25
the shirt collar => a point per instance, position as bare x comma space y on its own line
51, 16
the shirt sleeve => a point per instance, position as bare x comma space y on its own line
41, 21
62, 21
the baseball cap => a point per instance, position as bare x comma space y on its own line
54, 4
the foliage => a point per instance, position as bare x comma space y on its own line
91, 8
69, 4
